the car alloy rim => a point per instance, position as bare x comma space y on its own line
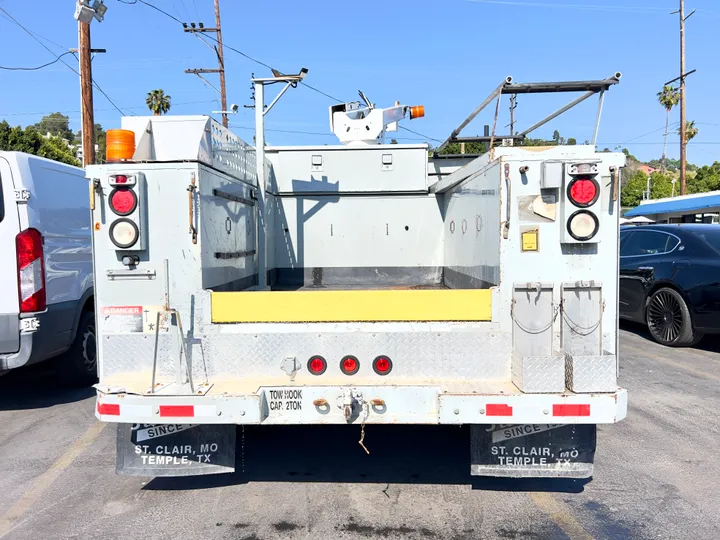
665, 316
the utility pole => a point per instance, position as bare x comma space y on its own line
86, 93
221, 63
683, 133
198, 29
683, 143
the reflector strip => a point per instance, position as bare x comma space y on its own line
498, 409
108, 408
177, 410
571, 410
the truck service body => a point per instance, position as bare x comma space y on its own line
355, 284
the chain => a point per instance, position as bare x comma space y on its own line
362, 428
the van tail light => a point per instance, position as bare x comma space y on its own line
31, 271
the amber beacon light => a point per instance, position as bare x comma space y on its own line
120, 145
417, 111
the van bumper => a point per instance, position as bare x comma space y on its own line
20, 358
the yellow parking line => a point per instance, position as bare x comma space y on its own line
560, 515
46, 479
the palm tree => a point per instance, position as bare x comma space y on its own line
668, 98
690, 131
158, 102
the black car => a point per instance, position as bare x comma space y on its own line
670, 280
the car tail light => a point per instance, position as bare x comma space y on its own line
123, 201
349, 365
121, 179
583, 192
124, 233
317, 365
382, 365
31, 271
583, 225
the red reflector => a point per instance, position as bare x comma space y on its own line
31, 271
382, 365
571, 410
121, 179
123, 201
317, 365
498, 409
583, 191
177, 410
108, 408
349, 365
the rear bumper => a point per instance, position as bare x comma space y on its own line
20, 358
372, 405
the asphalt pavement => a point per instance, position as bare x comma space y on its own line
657, 473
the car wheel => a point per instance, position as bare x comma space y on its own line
79, 365
668, 319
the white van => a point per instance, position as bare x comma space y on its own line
46, 280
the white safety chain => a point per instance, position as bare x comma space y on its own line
366, 414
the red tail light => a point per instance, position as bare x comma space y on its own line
120, 179
317, 365
31, 271
123, 201
349, 365
583, 192
382, 365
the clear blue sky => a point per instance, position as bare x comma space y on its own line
445, 54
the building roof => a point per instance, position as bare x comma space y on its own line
678, 204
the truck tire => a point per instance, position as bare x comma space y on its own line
79, 364
668, 319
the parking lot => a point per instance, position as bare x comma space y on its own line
656, 476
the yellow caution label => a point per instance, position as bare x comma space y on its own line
530, 240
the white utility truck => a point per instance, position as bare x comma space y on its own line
46, 280
357, 284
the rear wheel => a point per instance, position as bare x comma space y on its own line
668, 319
79, 364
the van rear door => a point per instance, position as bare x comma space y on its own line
9, 228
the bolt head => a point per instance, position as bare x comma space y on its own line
457, 411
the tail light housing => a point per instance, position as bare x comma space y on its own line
317, 365
126, 202
581, 207
31, 271
382, 365
349, 365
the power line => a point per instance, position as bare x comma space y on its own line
59, 58
616, 8
102, 110
420, 134
34, 68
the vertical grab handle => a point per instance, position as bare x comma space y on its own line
191, 203
506, 228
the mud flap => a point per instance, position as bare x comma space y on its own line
175, 449
533, 450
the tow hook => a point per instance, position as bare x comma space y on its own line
350, 402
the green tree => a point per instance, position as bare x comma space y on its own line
158, 102
668, 97
691, 130
56, 124
706, 179
632, 191
572, 141
660, 186
100, 141
472, 148
28, 140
